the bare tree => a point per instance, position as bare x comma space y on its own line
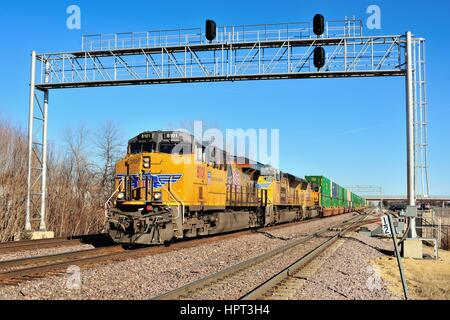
13, 169
74, 188
109, 149
77, 186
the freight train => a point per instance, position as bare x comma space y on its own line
170, 186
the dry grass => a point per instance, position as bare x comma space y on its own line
426, 279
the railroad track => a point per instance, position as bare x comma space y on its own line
27, 245
99, 240
95, 239
214, 284
15, 271
25, 269
284, 284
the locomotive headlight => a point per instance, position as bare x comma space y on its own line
157, 196
146, 162
121, 196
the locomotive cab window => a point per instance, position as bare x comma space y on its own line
136, 148
175, 148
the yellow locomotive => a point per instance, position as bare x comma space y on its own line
170, 186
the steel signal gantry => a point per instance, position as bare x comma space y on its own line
258, 52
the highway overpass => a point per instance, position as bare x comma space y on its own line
433, 200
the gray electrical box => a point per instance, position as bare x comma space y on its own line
411, 212
401, 225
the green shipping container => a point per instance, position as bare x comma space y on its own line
341, 199
325, 187
335, 203
325, 201
322, 182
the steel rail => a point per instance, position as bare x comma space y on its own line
187, 289
17, 276
26, 245
263, 288
36, 246
14, 244
44, 260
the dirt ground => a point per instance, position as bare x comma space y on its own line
426, 279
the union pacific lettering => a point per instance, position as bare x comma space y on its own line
159, 180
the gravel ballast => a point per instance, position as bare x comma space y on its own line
250, 278
348, 273
150, 276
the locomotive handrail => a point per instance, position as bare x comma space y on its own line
110, 198
178, 200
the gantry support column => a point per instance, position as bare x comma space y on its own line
410, 143
42, 226
37, 151
30, 141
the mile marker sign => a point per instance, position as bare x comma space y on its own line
385, 225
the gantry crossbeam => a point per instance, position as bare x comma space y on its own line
213, 62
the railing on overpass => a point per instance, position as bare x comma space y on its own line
404, 198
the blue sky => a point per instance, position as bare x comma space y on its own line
361, 138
